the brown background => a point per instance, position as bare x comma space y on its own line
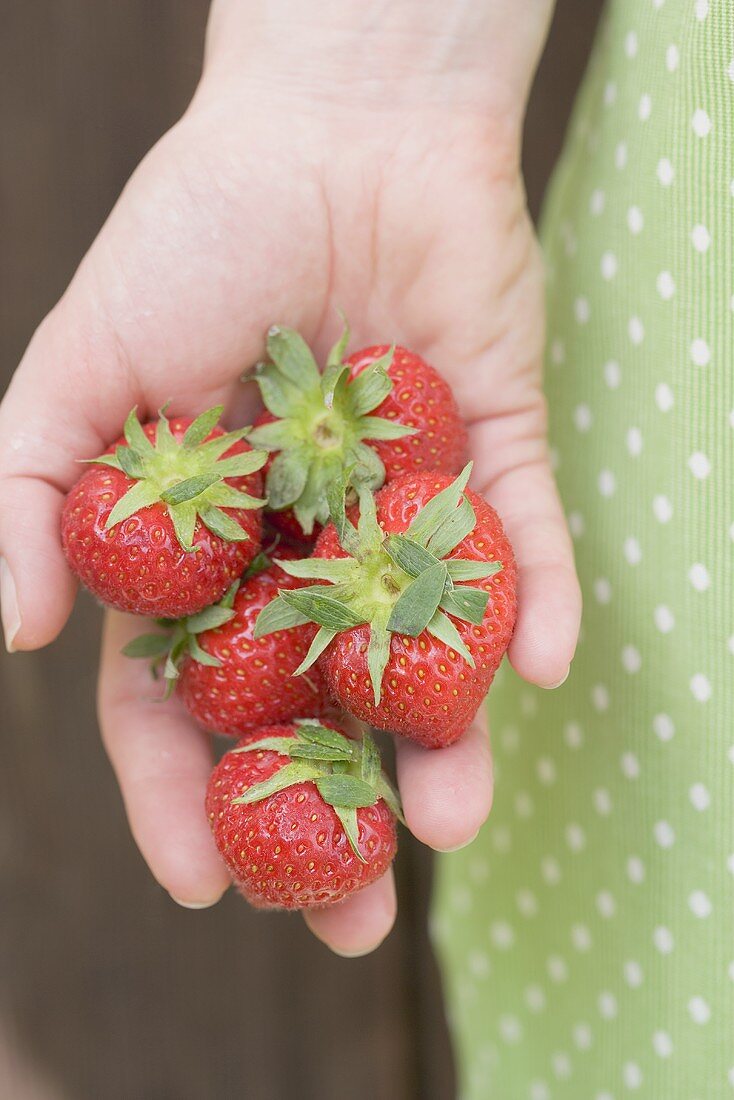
109, 991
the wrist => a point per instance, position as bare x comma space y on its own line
472, 56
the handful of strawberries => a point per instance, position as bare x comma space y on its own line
388, 594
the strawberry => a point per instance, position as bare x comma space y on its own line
302, 815
380, 413
166, 519
419, 608
228, 681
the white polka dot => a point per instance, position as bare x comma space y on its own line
524, 804
461, 899
632, 551
576, 524
608, 265
510, 1029
610, 93
510, 738
633, 974
602, 801
606, 904
700, 904
478, 963
702, 9
620, 155
535, 998
700, 353
575, 837
730, 865
501, 839
664, 834
699, 1010
664, 727
581, 937
664, 397
635, 220
635, 870
634, 441
662, 509
527, 903
550, 870
699, 577
700, 688
644, 107
502, 935
600, 697
631, 659
561, 1064
663, 939
557, 969
582, 418
582, 1036
607, 1004
665, 285
672, 57
636, 330
612, 374
629, 765
602, 590
662, 1044
596, 202
665, 171
573, 735
546, 770
630, 44
582, 310
700, 238
699, 465
701, 123
603, 1096
607, 483
558, 352
730, 70
664, 619
632, 1075
539, 1091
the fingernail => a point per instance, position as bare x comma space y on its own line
8, 606
464, 844
558, 683
355, 954
194, 904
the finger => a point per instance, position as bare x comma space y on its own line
549, 596
162, 762
447, 793
359, 924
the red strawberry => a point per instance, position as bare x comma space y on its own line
420, 608
166, 519
302, 815
378, 414
228, 681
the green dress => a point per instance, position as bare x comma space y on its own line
587, 936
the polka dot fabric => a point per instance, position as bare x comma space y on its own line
587, 936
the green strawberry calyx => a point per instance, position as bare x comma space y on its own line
397, 584
187, 477
347, 773
180, 637
322, 424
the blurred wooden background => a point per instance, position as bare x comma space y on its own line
109, 991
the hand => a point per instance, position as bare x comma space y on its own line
282, 195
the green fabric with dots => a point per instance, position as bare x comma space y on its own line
587, 936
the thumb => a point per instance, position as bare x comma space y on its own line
51, 414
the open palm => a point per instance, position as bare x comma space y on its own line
415, 226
